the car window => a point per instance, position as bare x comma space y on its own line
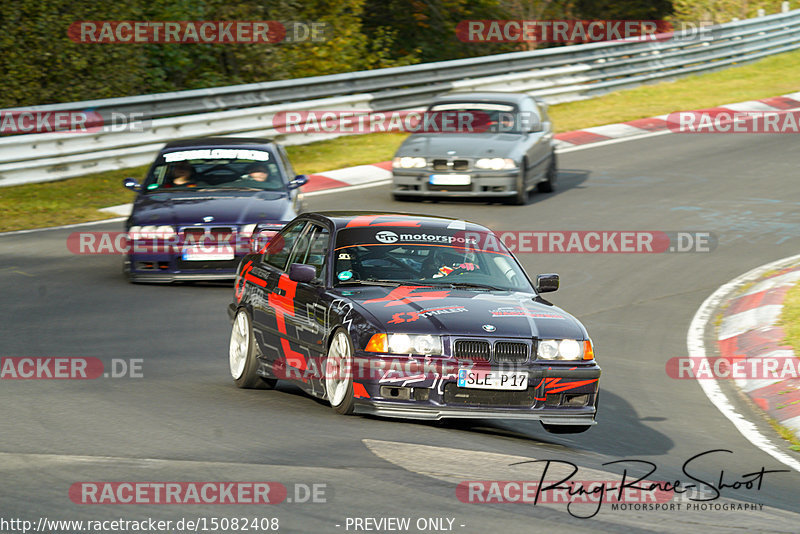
486, 116
280, 246
433, 257
286, 163
186, 170
312, 247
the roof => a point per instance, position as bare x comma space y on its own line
482, 96
341, 219
218, 141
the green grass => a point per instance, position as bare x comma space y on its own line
790, 321
65, 201
77, 199
790, 318
787, 434
772, 76
344, 152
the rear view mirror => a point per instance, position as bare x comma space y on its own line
299, 272
547, 283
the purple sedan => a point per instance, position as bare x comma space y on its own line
204, 204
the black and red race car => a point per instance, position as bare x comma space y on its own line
409, 316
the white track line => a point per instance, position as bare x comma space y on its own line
76, 225
695, 342
346, 188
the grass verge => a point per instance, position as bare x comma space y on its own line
77, 199
790, 318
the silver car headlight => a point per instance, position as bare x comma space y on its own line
408, 162
564, 349
496, 164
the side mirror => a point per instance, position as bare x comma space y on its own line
535, 126
299, 272
132, 184
546, 283
299, 180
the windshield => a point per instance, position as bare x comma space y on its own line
243, 169
488, 117
410, 256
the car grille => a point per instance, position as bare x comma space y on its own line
208, 234
506, 352
468, 349
455, 165
454, 395
482, 351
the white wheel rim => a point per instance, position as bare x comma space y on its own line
240, 344
337, 369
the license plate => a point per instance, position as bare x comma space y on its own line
207, 253
450, 179
486, 379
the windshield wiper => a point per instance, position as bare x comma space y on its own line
392, 283
470, 285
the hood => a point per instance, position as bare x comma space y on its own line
226, 207
415, 310
475, 145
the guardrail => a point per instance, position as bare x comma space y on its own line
555, 75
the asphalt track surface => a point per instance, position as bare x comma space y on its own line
185, 420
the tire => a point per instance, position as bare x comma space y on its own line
549, 185
338, 373
242, 360
566, 429
521, 198
126, 271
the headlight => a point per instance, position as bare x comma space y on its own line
405, 344
565, 349
148, 232
247, 230
151, 232
496, 164
165, 232
408, 162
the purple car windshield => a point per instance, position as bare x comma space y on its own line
251, 170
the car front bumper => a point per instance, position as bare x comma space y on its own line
165, 269
551, 396
435, 413
482, 184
